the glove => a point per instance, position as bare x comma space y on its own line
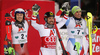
93, 36
77, 45
35, 9
8, 50
5, 49
65, 6
67, 12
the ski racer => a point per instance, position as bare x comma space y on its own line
77, 30
47, 32
19, 31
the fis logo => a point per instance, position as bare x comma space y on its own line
20, 29
78, 25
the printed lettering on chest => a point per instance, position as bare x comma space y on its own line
22, 30
50, 38
49, 41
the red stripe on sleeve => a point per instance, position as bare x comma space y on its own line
59, 13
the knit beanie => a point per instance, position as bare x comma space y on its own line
75, 9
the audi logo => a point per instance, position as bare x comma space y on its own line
50, 39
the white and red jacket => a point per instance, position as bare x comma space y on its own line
19, 35
48, 36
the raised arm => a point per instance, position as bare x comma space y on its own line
62, 19
61, 22
57, 16
63, 10
35, 9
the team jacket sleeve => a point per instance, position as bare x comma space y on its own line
34, 24
63, 21
57, 16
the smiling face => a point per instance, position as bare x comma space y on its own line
78, 14
19, 17
50, 20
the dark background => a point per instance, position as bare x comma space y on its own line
92, 6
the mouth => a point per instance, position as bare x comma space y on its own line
19, 18
51, 21
79, 15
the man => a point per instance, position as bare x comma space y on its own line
47, 32
19, 30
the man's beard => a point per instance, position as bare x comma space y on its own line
49, 25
